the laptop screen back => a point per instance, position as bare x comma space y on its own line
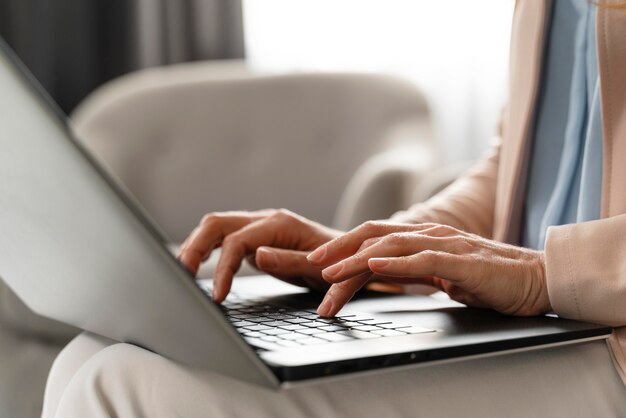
75, 247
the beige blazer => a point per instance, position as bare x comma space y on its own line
585, 262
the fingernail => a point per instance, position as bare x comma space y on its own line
325, 307
317, 255
378, 262
332, 271
268, 258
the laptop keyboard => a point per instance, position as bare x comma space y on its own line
269, 326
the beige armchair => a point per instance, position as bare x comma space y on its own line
194, 138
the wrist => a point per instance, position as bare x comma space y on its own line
543, 305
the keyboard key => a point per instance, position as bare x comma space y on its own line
391, 325
276, 331
334, 337
311, 331
297, 320
361, 335
350, 323
240, 324
255, 334
294, 336
374, 322
388, 332
359, 318
278, 316
276, 323
293, 327
288, 344
240, 316
233, 303
258, 319
250, 310
333, 328
304, 314
316, 324
257, 327
326, 320
270, 338
366, 328
415, 330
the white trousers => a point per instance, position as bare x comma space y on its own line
91, 378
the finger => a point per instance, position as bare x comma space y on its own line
208, 235
201, 242
277, 230
235, 247
368, 243
347, 244
286, 264
219, 217
439, 230
340, 293
427, 280
393, 245
450, 267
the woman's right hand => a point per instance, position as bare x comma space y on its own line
276, 241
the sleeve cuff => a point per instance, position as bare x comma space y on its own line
560, 276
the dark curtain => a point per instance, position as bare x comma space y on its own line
73, 46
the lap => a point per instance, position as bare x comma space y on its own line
124, 380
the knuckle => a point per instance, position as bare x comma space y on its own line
369, 242
463, 244
439, 230
397, 239
429, 257
209, 219
283, 215
405, 261
371, 225
344, 286
357, 258
428, 225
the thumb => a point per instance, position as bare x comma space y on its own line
286, 264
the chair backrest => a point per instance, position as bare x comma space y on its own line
195, 138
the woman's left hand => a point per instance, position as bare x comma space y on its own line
471, 269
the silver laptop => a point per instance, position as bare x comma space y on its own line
77, 248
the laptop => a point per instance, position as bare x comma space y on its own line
75, 247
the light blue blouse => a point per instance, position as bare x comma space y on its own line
565, 180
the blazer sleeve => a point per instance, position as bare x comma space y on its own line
467, 204
586, 270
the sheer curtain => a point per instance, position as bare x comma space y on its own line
456, 51
72, 46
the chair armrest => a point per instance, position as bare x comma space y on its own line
436, 180
384, 184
